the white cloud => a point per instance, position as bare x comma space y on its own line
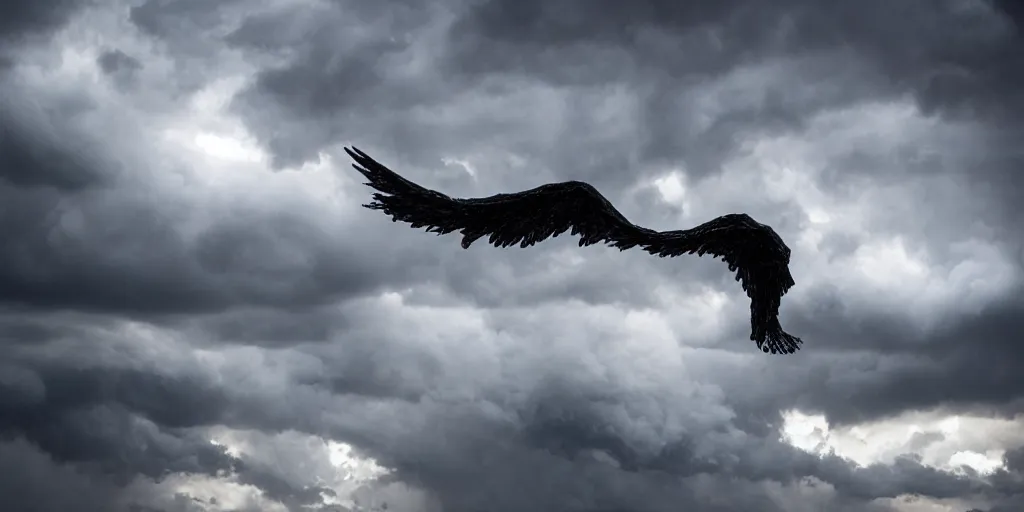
941, 440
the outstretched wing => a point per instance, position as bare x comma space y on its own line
523, 218
752, 250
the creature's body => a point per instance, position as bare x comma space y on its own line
753, 250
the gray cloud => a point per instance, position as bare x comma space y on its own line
30, 477
119, 66
1008, 483
42, 147
74, 224
156, 298
114, 61
883, 365
21, 18
26, 22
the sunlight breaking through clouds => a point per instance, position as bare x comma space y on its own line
344, 480
944, 442
672, 187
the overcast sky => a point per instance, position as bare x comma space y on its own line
197, 315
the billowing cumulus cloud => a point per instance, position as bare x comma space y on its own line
197, 315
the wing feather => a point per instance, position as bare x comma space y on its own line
523, 218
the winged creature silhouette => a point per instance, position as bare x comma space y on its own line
752, 250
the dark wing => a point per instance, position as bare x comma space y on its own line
752, 250
523, 218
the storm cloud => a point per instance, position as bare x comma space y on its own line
197, 315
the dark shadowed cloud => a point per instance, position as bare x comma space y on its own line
196, 314
22, 18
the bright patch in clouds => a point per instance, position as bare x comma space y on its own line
945, 442
352, 472
671, 187
205, 129
228, 148
983, 463
354, 467
809, 433
201, 493
226, 162
888, 264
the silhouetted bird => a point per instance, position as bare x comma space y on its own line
753, 250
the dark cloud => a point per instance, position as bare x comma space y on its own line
124, 421
873, 366
20, 19
912, 45
25, 23
115, 61
113, 424
580, 422
346, 55
108, 251
579, 458
121, 421
1008, 483
41, 147
166, 18
81, 232
28, 477
270, 326
813, 58
149, 309
119, 66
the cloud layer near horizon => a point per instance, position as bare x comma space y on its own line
196, 314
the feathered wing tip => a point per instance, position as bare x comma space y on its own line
402, 199
774, 340
379, 178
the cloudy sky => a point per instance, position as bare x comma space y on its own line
197, 315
